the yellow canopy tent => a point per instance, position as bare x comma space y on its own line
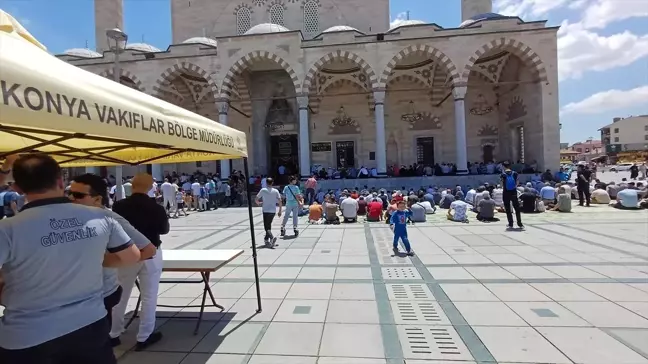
83, 119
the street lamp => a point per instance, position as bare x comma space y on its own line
117, 42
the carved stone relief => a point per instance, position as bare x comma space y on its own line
343, 124
516, 109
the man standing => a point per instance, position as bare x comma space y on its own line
169, 196
583, 176
509, 181
51, 256
269, 197
294, 200
311, 187
211, 192
195, 194
91, 190
150, 219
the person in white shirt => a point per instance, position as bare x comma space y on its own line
470, 196
195, 192
374, 172
498, 196
269, 198
152, 193
169, 191
349, 207
364, 173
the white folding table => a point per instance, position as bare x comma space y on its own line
204, 262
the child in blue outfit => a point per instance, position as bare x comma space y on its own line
398, 223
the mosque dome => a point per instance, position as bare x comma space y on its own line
142, 47
202, 40
406, 23
340, 28
480, 17
265, 28
82, 53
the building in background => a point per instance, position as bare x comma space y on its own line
587, 151
626, 139
328, 83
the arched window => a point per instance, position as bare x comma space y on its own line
311, 17
277, 14
243, 20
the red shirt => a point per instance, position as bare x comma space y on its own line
397, 198
375, 209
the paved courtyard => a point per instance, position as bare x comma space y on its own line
572, 288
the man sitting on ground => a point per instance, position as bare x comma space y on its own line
349, 207
417, 209
600, 197
331, 211
375, 211
627, 199
548, 194
314, 212
564, 201
362, 206
458, 211
486, 208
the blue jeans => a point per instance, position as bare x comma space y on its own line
403, 236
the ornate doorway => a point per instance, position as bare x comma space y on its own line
345, 154
488, 153
425, 151
284, 152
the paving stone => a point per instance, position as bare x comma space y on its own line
291, 338
353, 291
489, 314
400, 273
432, 342
418, 313
352, 340
302, 311
606, 314
519, 345
231, 338
352, 312
546, 314
410, 292
199, 358
315, 291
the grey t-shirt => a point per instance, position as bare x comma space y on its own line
487, 208
51, 256
270, 197
418, 212
111, 280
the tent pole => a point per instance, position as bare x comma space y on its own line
251, 218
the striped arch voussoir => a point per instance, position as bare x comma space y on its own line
317, 100
109, 73
441, 59
244, 62
346, 55
524, 52
176, 70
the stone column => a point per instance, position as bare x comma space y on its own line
304, 138
223, 108
157, 172
460, 129
381, 144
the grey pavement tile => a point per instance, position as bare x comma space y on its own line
310, 291
144, 357
282, 272
352, 312
353, 291
230, 338
546, 314
606, 314
573, 271
616, 271
449, 273
178, 303
230, 290
245, 272
506, 258
489, 273
178, 335
591, 346
352, 340
489, 314
353, 273
470, 259
316, 273
275, 359
519, 344
430, 259
640, 308
211, 313
531, 272
516, 292
641, 286
290, 260
330, 360
298, 251
636, 339
354, 259
291, 338
245, 310
322, 259
302, 311
269, 290
566, 292
199, 358
468, 292
617, 291
185, 290
409, 291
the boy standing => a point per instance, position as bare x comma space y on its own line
398, 223
269, 198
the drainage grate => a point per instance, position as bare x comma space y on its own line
418, 313
400, 273
432, 342
410, 292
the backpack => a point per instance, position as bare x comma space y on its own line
510, 182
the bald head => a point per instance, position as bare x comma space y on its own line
142, 183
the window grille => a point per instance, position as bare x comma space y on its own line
243, 20
311, 17
277, 14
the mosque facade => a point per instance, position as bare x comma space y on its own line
327, 83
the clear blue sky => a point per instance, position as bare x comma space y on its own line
63, 24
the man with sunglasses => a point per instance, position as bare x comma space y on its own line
91, 190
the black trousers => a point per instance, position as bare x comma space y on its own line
111, 301
89, 344
267, 223
213, 201
584, 194
509, 197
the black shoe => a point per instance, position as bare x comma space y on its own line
410, 253
509, 226
283, 232
114, 341
296, 232
396, 252
520, 226
152, 339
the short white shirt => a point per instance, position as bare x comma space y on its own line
168, 189
153, 190
349, 207
270, 198
195, 188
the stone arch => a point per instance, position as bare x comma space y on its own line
176, 70
339, 54
415, 80
109, 73
434, 53
317, 100
244, 62
521, 50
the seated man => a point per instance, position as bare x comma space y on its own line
417, 209
429, 209
564, 201
528, 201
447, 200
548, 194
362, 206
627, 199
600, 196
486, 208
349, 207
375, 211
331, 212
458, 211
315, 212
